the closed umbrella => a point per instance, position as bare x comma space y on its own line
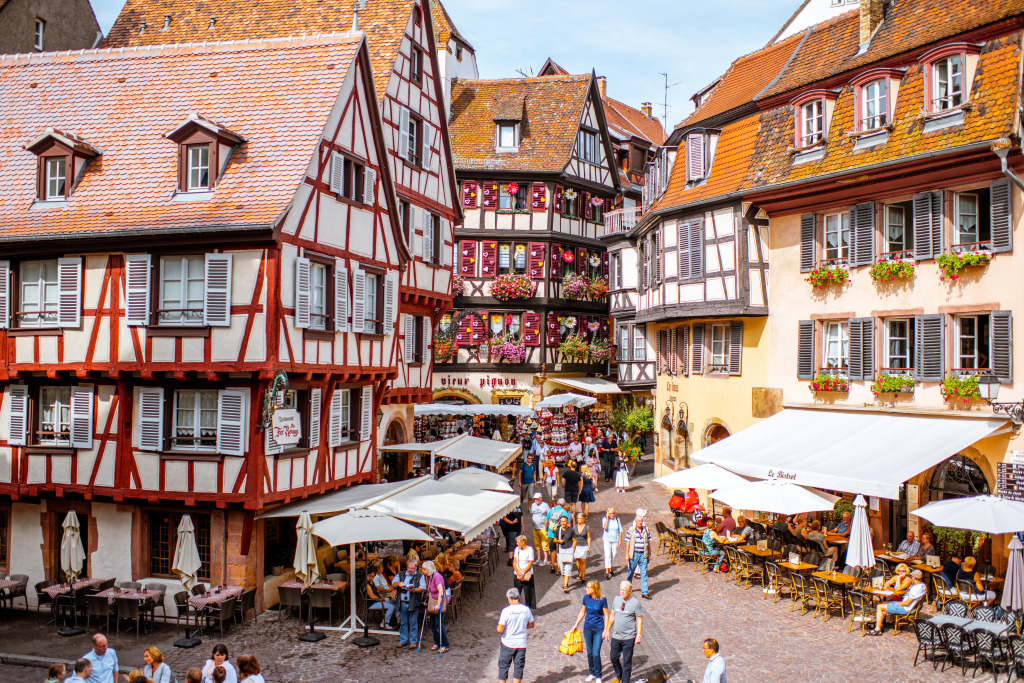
988, 514
305, 564
72, 555
860, 553
775, 495
186, 554
1013, 589
706, 477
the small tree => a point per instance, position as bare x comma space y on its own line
632, 419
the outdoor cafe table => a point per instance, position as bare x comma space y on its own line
322, 585
837, 540
840, 579
61, 588
112, 593
757, 552
798, 568
7, 584
996, 628
883, 593
215, 596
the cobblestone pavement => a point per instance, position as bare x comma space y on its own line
761, 641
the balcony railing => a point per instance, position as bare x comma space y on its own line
621, 220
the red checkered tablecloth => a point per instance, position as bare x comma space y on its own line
212, 598
112, 593
54, 591
323, 585
8, 584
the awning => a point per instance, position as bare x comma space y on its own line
445, 505
474, 477
857, 451
563, 400
477, 409
496, 454
334, 502
595, 385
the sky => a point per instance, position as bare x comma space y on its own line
630, 43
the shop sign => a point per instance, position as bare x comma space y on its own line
1016, 457
672, 386
287, 426
779, 474
495, 381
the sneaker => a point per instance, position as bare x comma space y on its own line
589, 678
386, 626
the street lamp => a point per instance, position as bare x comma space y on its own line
988, 389
666, 420
682, 427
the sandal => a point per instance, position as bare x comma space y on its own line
874, 632
443, 650
433, 648
565, 590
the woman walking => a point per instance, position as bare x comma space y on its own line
436, 592
612, 533
565, 537
582, 549
551, 479
622, 474
594, 616
156, 668
586, 490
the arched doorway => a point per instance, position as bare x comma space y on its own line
714, 433
394, 466
957, 477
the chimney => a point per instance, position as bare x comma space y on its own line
871, 14
602, 86
646, 109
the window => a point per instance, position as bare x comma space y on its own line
163, 541
416, 65
947, 82
319, 276
508, 135
837, 236
719, 348
405, 211
972, 343
198, 167
414, 135
54, 416
875, 99
639, 343
432, 252
899, 231
40, 29
588, 146
973, 220
514, 196
194, 425
56, 178
597, 209
512, 257
570, 205
181, 290
813, 118
837, 345
505, 324
353, 176
458, 52
38, 294
616, 264
899, 344
637, 159
347, 419
371, 322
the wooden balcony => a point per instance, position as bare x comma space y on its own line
621, 220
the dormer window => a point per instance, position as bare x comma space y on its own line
416, 66
700, 148
40, 30
62, 158
198, 167
875, 93
204, 149
948, 83
508, 135
875, 105
812, 121
56, 178
812, 112
949, 72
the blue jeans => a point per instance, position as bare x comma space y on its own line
638, 560
408, 624
592, 637
389, 609
438, 630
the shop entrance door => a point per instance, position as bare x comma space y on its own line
898, 518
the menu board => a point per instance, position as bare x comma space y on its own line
1010, 481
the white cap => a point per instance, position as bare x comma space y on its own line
640, 512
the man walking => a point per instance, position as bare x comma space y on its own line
637, 546
527, 478
411, 585
624, 629
103, 660
539, 513
571, 480
715, 671
512, 625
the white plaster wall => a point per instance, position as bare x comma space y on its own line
25, 551
113, 555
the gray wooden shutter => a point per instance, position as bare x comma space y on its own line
217, 291
69, 292
390, 303
137, 296
303, 292
334, 418
659, 367
867, 330
683, 248
697, 247
231, 425
1001, 215
358, 299
855, 368
937, 223
807, 224
5, 294
735, 346
697, 353
369, 186
1001, 345
410, 338
81, 416
151, 418
340, 296
862, 250
337, 173
684, 351
673, 353
366, 414
315, 405
403, 133
928, 223
656, 255
805, 350
929, 347
427, 332
17, 434
695, 156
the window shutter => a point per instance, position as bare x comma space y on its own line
403, 133
735, 346
410, 337
656, 251
697, 354
1001, 215
556, 262
270, 444
536, 260
490, 195
605, 266
531, 329
697, 248
805, 350
217, 297
5, 294
673, 352
539, 196
581, 260
659, 361
663, 169
862, 251
488, 259
340, 296
469, 194
151, 418
18, 418
929, 347
682, 350
694, 156
427, 330
366, 414
559, 199
390, 303
588, 211
938, 222
337, 173
69, 287
683, 247
314, 417
427, 158
624, 337
1001, 345
479, 328
230, 422
81, 416
922, 226
856, 349
137, 297
302, 292
369, 186
808, 222
467, 258
428, 236
334, 419
867, 331
554, 330
358, 299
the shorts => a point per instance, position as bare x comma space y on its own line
514, 657
895, 608
565, 558
580, 553
572, 496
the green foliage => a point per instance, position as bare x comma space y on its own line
892, 384
889, 271
951, 265
955, 388
842, 505
632, 418
828, 275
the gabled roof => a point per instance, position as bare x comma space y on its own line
125, 101
633, 121
552, 68
552, 109
444, 27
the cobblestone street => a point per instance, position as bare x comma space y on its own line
761, 641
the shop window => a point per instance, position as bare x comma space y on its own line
163, 541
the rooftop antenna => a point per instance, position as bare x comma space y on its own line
664, 120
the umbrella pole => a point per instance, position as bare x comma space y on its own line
74, 629
188, 641
365, 640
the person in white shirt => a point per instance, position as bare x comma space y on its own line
512, 625
914, 595
539, 513
522, 564
610, 538
715, 671
219, 657
249, 669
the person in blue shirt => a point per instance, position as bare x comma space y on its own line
595, 618
911, 547
715, 671
527, 478
843, 528
104, 661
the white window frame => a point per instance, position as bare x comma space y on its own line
976, 338
60, 404
839, 225
835, 345
319, 282
903, 338
40, 33
370, 323
506, 136
56, 178
588, 142
874, 106
891, 212
812, 122
346, 416
720, 339
948, 70
187, 316
197, 166
960, 215
197, 416
639, 342
45, 305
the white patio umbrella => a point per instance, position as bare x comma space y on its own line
1013, 589
775, 495
186, 554
305, 563
567, 399
474, 477
988, 514
706, 477
72, 555
859, 552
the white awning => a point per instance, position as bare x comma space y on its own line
858, 451
594, 385
334, 502
496, 454
563, 400
445, 505
483, 409
474, 477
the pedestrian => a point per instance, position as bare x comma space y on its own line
607, 448
511, 527
194, 676
593, 462
551, 478
638, 550
554, 515
626, 630
586, 489
595, 618
83, 671
622, 473
582, 548
512, 625
104, 661
523, 568
571, 479
565, 537
249, 669
56, 673
219, 658
527, 478
437, 599
576, 449
156, 668
612, 528
411, 586
715, 671
539, 512
380, 593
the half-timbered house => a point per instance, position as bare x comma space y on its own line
177, 230
536, 172
409, 81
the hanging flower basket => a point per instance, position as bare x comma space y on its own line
598, 289
601, 351
955, 388
457, 284
444, 349
509, 286
574, 347
829, 383
893, 384
951, 265
890, 271
510, 350
825, 275
575, 287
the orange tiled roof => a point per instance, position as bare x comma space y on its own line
633, 121
276, 94
444, 27
831, 48
553, 106
384, 22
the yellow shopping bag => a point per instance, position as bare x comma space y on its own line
572, 642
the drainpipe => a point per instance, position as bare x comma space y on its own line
1001, 147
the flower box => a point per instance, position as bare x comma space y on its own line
601, 351
893, 384
958, 388
826, 383
574, 348
952, 265
509, 350
510, 286
828, 274
458, 284
598, 289
575, 287
890, 271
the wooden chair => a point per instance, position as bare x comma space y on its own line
246, 603
860, 607
909, 617
99, 607
290, 598
158, 603
222, 614
129, 609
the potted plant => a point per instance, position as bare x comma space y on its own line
511, 286
444, 348
951, 265
575, 287
601, 350
574, 347
458, 282
893, 384
959, 388
826, 382
632, 452
598, 289
511, 350
892, 270
828, 274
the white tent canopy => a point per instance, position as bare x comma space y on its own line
444, 505
847, 450
705, 477
775, 495
564, 400
361, 526
333, 502
496, 454
476, 478
475, 409
594, 385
